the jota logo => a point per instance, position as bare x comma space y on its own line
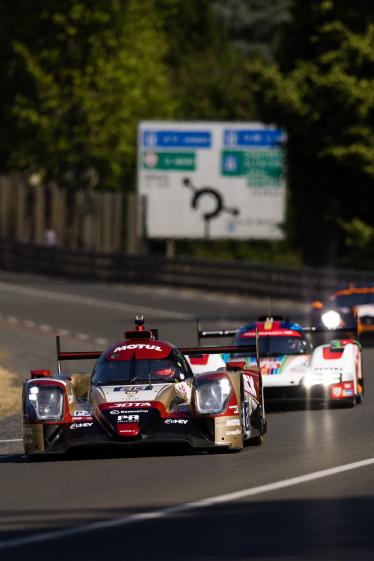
131, 404
138, 346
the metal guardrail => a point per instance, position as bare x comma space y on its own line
258, 279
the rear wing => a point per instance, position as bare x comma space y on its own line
193, 351
253, 349
337, 331
203, 333
83, 355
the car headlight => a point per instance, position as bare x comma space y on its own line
331, 319
212, 396
47, 402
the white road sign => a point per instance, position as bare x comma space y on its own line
212, 180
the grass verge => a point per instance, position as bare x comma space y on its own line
10, 394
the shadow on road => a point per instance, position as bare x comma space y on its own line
300, 530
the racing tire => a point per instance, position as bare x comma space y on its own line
256, 440
347, 403
259, 438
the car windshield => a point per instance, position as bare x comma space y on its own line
349, 300
277, 345
133, 371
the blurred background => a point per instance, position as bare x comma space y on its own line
78, 77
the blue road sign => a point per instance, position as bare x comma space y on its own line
235, 138
177, 139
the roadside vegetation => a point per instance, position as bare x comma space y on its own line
77, 76
10, 399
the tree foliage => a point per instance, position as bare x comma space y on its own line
324, 97
254, 26
207, 72
79, 76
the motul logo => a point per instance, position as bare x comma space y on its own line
140, 346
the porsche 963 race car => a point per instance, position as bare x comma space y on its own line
292, 369
142, 391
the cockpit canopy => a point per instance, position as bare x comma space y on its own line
148, 361
275, 338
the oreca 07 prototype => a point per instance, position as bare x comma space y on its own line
142, 391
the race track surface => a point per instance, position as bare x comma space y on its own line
138, 506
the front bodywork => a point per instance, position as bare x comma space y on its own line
332, 372
328, 372
121, 415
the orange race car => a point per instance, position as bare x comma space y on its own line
347, 306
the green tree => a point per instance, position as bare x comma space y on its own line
79, 76
254, 26
208, 72
322, 92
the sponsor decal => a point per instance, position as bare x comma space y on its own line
128, 418
138, 346
82, 413
276, 333
133, 404
246, 416
85, 418
125, 411
132, 389
128, 429
176, 421
233, 423
80, 426
183, 390
235, 408
271, 366
236, 432
249, 385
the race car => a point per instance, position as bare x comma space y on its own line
142, 391
292, 369
347, 306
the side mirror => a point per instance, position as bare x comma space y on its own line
40, 373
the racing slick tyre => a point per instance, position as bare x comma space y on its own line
260, 424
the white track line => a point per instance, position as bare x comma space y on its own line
74, 298
11, 440
62, 332
204, 503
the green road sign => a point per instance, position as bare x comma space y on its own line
172, 161
262, 168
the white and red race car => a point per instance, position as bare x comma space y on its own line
142, 391
291, 368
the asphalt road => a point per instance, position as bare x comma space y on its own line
273, 502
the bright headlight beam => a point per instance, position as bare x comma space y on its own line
331, 319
